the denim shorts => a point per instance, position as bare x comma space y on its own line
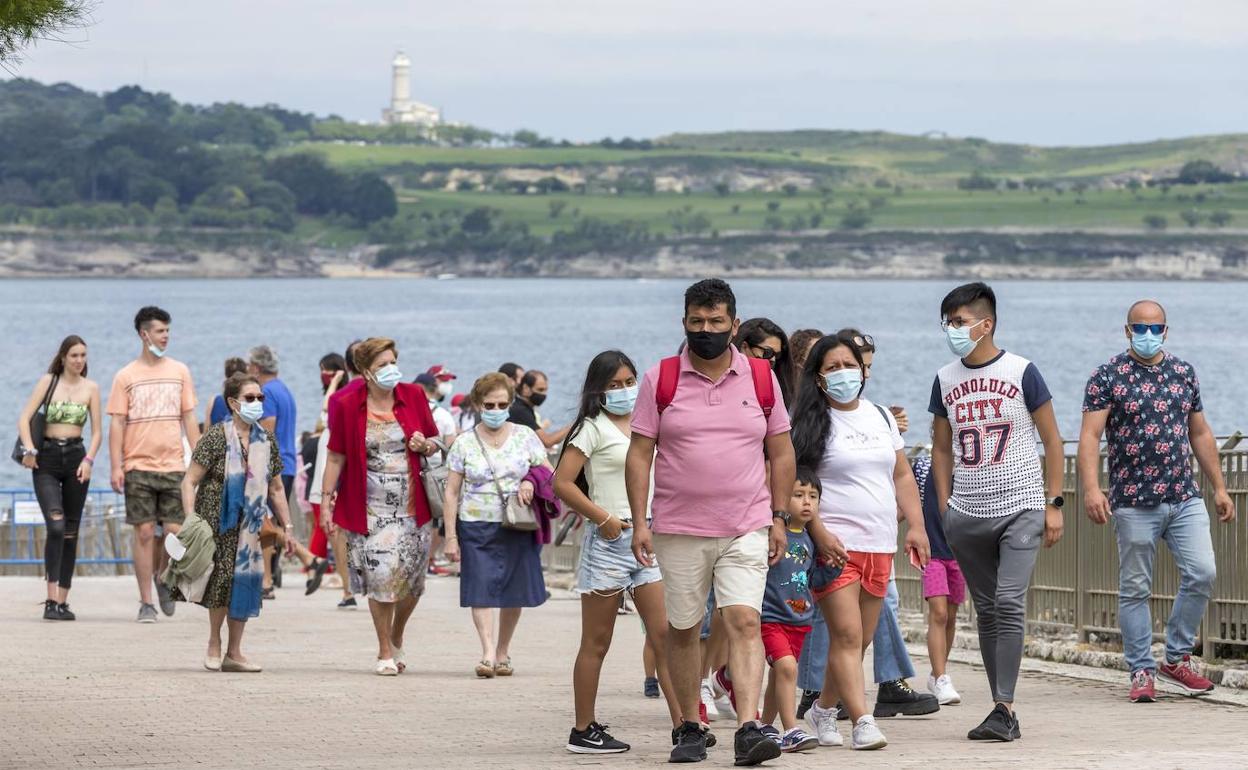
608, 566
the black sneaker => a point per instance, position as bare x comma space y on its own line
689, 742
651, 688
318, 573
63, 613
1017, 732
165, 597
752, 746
594, 739
347, 603
998, 726
841, 713
808, 699
49, 610
896, 697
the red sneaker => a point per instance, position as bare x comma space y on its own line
1142, 688
702, 714
724, 682
1185, 675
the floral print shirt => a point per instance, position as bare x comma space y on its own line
1150, 457
479, 498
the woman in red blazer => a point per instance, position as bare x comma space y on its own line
372, 489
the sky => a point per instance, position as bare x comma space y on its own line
1058, 72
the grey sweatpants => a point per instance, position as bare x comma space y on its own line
997, 557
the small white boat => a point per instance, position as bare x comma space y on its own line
447, 276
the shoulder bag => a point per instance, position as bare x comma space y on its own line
433, 479
38, 421
516, 515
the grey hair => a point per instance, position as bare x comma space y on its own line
264, 359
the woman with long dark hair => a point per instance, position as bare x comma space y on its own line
763, 338
858, 453
335, 373
590, 480
60, 466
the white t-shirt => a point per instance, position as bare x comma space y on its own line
446, 427
322, 454
859, 500
605, 447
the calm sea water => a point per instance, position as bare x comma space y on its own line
472, 326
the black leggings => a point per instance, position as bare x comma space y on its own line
61, 498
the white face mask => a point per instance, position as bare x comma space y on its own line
445, 389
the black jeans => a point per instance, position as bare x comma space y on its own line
61, 498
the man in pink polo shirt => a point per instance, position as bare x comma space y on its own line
712, 509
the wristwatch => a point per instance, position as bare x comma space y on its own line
1057, 502
782, 516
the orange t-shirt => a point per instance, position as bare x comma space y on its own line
152, 398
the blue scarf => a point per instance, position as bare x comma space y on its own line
244, 504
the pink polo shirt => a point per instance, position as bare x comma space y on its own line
710, 477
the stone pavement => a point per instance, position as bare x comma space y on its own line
107, 692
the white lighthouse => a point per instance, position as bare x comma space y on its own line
402, 109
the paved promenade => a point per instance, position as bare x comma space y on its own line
107, 692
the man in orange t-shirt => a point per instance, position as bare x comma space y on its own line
151, 403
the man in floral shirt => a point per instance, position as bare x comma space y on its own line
1150, 401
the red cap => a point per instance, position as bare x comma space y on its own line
457, 399
441, 372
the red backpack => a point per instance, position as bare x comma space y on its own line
760, 370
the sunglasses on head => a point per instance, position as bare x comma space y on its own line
764, 353
252, 397
492, 406
864, 340
1157, 329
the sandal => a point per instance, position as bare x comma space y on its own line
485, 670
318, 568
399, 661
386, 668
503, 668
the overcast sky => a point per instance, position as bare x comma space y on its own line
1051, 72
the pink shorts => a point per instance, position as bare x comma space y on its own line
943, 577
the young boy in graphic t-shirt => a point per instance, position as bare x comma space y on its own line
987, 407
787, 613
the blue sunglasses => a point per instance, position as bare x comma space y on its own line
1157, 329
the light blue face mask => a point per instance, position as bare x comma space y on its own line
620, 401
1146, 345
251, 411
960, 341
151, 348
843, 385
388, 376
495, 418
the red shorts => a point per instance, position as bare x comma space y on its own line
873, 570
781, 641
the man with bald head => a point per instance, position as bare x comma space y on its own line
1150, 401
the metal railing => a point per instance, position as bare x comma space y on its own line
1075, 586
103, 537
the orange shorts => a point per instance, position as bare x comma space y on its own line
871, 569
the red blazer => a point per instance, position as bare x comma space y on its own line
348, 424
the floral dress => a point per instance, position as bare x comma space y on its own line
389, 563
210, 453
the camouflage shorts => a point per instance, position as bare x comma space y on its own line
154, 496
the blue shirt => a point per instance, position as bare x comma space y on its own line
931, 509
1150, 453
786, 599
279, 403
220, 412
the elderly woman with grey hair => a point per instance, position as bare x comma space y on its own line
279, 418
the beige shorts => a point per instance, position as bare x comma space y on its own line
737, 566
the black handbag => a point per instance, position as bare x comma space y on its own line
37, 422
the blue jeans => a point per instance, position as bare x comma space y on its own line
1185, 528
892, 662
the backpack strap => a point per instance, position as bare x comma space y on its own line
760, 370
669, 378
887, 423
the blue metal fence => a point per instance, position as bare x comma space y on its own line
103, 540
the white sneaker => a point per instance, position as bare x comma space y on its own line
823, 724
867, 736
708, 700
942, 688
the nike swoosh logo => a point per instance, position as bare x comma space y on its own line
598, 742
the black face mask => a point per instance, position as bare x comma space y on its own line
537, 399
707, 345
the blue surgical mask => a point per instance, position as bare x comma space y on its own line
620, 401
151, 348
960, 341
494, 418
843, 385
388, 376
251, 411
1146, 345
